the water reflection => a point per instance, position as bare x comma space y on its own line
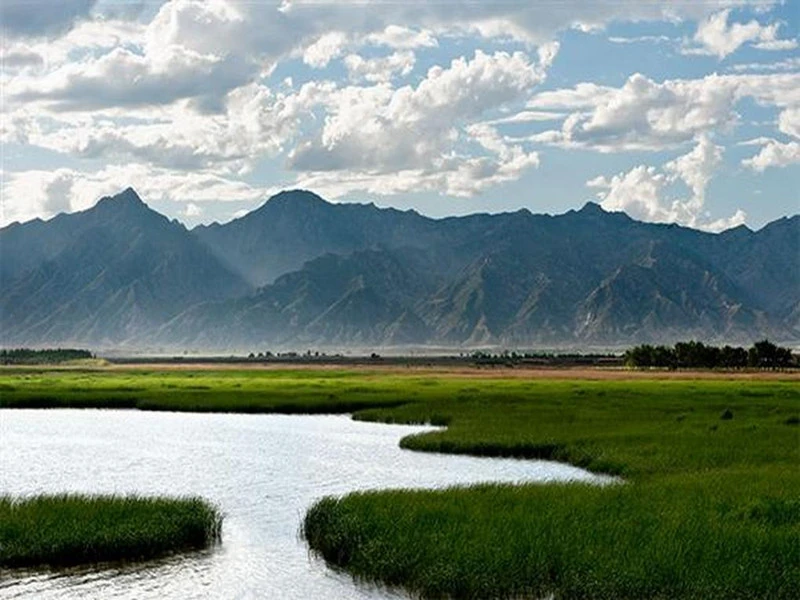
262, 470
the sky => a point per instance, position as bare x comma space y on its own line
672, 111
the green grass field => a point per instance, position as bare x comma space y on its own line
65, 530
710, 507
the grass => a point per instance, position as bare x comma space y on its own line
66, 530
709, 509
680, 538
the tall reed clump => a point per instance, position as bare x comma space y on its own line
71, 529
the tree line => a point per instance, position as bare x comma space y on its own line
26, 356
697, 355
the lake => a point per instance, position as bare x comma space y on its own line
264, 471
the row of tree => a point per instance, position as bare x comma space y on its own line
697, 355
26, 356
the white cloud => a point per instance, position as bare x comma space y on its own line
648, 39
380, 70
646, 115
774, 154
646, 192
724, 223
584, 95
382, 140
637, 192
402, 38
788, 64
457, 177
190, 91
325, 49
527, 116
696, 169
777, 45
124, 78
789, 122
379, 131
41, 56
716, 37
425, 133
257, 122
533, 21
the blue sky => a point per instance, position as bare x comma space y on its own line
672, 111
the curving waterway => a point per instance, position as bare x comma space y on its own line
264, 471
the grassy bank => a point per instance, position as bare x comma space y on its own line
684, 537
710, 508
67, 530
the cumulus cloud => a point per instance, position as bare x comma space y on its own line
380, 70
647, 115
644, 191
204, 48
425, 133
160, 74
256, 122
696, 169
380, 131
716, 37
789, 122
774, 154
637, 192
402, 38
325, 49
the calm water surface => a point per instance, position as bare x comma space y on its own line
264, 471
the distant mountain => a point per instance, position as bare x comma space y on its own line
338, 275
297, 226
360, 299
102, 276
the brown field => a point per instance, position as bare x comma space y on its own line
489, 372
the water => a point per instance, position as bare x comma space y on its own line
264, 471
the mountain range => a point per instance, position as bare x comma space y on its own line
300, 272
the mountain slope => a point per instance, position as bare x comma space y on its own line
103, 275
360, 299
337, 275
297, 226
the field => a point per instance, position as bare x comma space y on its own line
65, 530
708, 509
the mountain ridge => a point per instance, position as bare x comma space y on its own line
299, 270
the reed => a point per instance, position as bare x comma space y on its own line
72, 529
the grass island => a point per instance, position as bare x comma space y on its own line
72, 529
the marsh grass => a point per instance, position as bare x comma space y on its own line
681, 538
67, 530
709, 509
